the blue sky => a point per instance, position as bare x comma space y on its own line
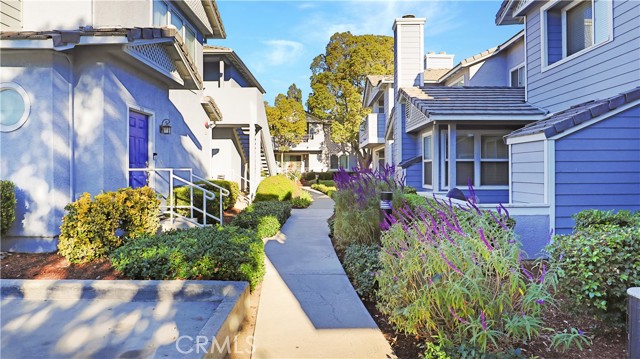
279, 39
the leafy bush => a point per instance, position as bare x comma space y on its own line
210, 253
329, 191
328, 183
361, 265
358, 204
455, 274
304, 200
599, 261
265, 218
593, 217
183, 198
279, 188
7, 205
93, 228
323, 176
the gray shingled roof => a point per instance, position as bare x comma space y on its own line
575, 115
471, 101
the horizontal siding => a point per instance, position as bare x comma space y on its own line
410, 54
602, 72
10, 15
527, 172
599, 173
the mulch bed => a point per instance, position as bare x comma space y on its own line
607, 343
55, 266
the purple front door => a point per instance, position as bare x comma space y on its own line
138, 148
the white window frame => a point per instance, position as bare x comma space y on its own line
431, 160
443, 157
477, 157
544, 61
524, 75
27, 106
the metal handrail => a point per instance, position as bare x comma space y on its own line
207, 195
248, 183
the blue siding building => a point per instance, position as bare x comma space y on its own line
571, 135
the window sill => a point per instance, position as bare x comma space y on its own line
545, 68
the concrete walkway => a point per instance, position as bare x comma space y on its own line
308, 308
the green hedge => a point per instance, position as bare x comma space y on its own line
265, 218
210, 253
324, 189
323, 176
182, 195
361, 264
93, 228
279, 188
7, 205
598, 262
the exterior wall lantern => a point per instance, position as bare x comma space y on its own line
165, 127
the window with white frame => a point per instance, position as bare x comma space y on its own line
333, 162
482, 159
517, 76
572, 27
344, 161
164, 15
427, 160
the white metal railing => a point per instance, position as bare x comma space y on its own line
245, 185
172, 180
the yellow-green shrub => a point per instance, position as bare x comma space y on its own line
278, 188
93, 228
183, 198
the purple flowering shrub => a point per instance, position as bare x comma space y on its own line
357, 203
455, 274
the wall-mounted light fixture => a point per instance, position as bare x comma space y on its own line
165, 127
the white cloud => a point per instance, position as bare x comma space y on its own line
376, 17
282, 52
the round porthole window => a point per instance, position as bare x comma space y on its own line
14, 106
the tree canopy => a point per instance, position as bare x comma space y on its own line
338, 81
287, 119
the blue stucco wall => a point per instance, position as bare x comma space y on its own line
534, 233
598, 167
35, 157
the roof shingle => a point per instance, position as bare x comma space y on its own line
471, 101
575, 115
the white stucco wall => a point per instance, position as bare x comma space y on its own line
42, 15
225, 159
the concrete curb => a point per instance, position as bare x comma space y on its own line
220, 328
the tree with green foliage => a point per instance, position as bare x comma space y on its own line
287, 119
294, 93
338, 81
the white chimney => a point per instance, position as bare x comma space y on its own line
438, 61
408, 33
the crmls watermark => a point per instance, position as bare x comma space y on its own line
201, 344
